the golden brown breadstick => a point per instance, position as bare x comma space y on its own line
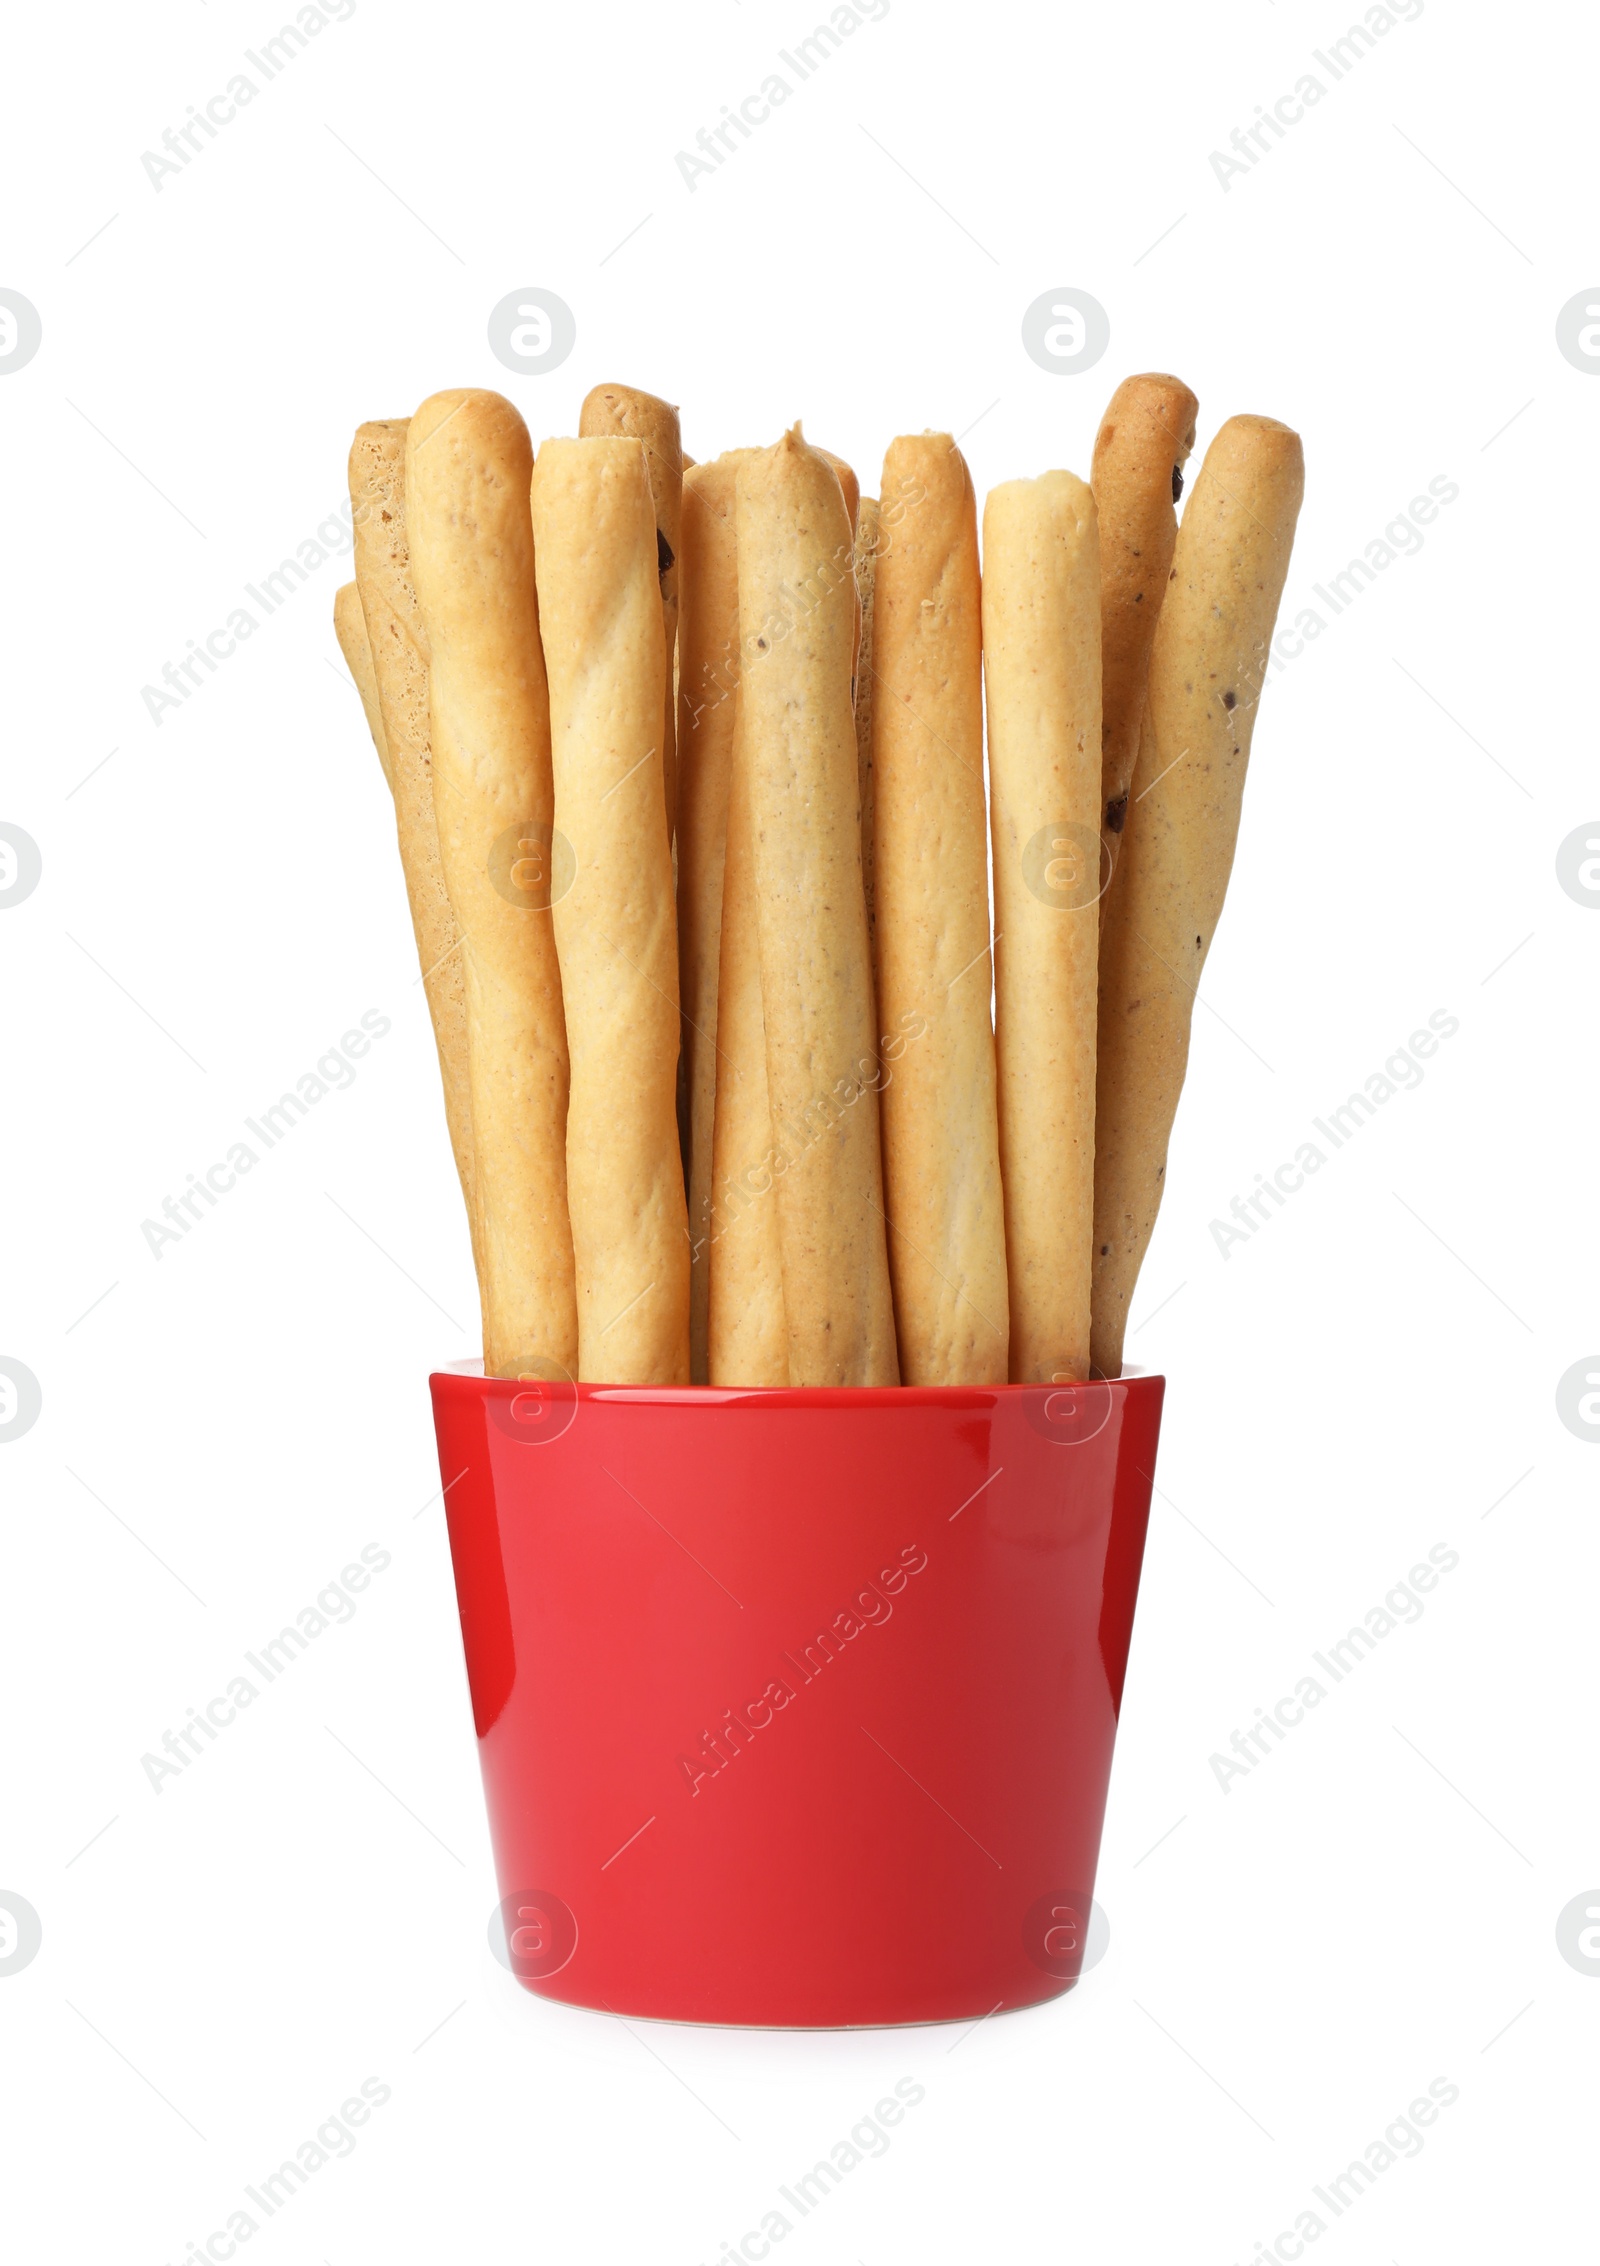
625, 409
708, 678
797, 621
468, 459
1139, 453
851, 488
1206, 675
350, 628
1041, 654
847, 480
941, 1140
747, 1328
400, 671
941, 1155
594, 532
866, 575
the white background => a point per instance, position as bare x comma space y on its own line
1291, 1960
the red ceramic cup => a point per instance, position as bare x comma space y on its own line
796, 1707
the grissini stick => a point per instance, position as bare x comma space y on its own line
866, 577
1140, 450
797, 621
1206, 674
1041, 653
643, 417
594, 534
875, 528
941, 1154
708, 679
849, 484
747, 1327
350, 628
468, 459
851, 488
394, 641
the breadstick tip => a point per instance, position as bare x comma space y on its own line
614, 399
1265, 442
1061, 488
474, 410
378, 430
1156, 399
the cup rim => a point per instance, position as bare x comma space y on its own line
465, 1377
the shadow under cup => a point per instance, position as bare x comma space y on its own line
796, 1707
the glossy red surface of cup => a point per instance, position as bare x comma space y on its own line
796, 1707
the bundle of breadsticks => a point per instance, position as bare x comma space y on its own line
751, 1077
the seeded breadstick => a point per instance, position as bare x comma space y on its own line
866, 573
1206, 674
594, 531
797, 623
624, 409
468, 459
1041, 652
708, 677
1139, 453
398, 660
746, 1322
941, 1156
350, 628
